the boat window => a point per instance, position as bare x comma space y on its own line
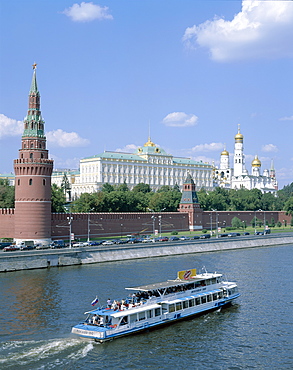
220, 294
185, 304
133, 318
124, 320
213, 281
203, 299
165, 307
178, 306
141, 316
209, 298
208, 282
215, 296
158, 311
149, 314
172, 307
191, 302
197, 301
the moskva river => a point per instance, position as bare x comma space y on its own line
39, 307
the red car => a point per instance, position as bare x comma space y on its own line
163, 239
10, 248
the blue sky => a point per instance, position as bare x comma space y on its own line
188, 70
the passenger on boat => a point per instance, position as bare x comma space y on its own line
114, 306
101, 321
109, 303
95, 319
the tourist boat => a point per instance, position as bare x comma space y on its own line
152, 305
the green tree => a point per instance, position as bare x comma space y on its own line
107, 188
288, 206
273, 223
85, 203
123, 187
58, 199
6, 194
236, 223
142, 188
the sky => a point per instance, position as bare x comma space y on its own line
186, 72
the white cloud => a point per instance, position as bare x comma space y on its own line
208, 147
180, 119
269, 148
87, 12
65, 139
290, 118
10, 127
202, 158
261, 29
61, 163
130, 148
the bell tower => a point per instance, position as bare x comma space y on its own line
33, 172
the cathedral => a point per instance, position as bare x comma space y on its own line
238, 177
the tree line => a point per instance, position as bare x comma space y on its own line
119, 198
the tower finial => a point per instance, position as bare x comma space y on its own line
238, 128
34, 65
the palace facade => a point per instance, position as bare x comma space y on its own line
150, 165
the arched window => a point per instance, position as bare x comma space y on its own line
44, 182
32, 145
42, 155
18, 182
31, 155
30, 181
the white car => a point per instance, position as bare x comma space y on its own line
79, 244
107, 242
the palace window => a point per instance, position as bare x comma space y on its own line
30, 181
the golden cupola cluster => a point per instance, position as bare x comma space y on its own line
256, 162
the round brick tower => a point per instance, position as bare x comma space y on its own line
33, 172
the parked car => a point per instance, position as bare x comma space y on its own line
223, 235
205, 236
10, 248
184, 237
231, 235
27, 247
196, 237
259, 233
173, 238
108, 242
121, 241
93, 243
132, 240
79, 244
246, 233
163, 239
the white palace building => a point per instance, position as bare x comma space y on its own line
150, 165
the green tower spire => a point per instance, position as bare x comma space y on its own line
33, 122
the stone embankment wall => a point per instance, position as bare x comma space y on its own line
68, 257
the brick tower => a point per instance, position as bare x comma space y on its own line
189, 204
33, 172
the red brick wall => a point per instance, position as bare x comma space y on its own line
6, 222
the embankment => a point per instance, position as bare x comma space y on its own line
15, 261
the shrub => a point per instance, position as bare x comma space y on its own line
204, 231
174, 232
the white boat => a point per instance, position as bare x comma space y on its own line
152, 305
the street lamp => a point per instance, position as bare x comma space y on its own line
160, 225
70, 218
217, 233
211, 222
154, 220
121, 225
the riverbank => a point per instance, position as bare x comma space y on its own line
15, 261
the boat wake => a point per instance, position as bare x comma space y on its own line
46, 354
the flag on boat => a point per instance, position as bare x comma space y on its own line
95, 301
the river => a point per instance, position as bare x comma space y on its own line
39, 307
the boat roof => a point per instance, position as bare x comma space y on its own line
171, 283
135, 310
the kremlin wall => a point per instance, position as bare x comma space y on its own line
32, 219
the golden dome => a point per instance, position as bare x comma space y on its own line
149, 143
225, 152
256, 162
239, 136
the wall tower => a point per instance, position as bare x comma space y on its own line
33, 172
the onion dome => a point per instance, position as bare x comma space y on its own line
256, 162
225, 152
239, 136
149, 143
